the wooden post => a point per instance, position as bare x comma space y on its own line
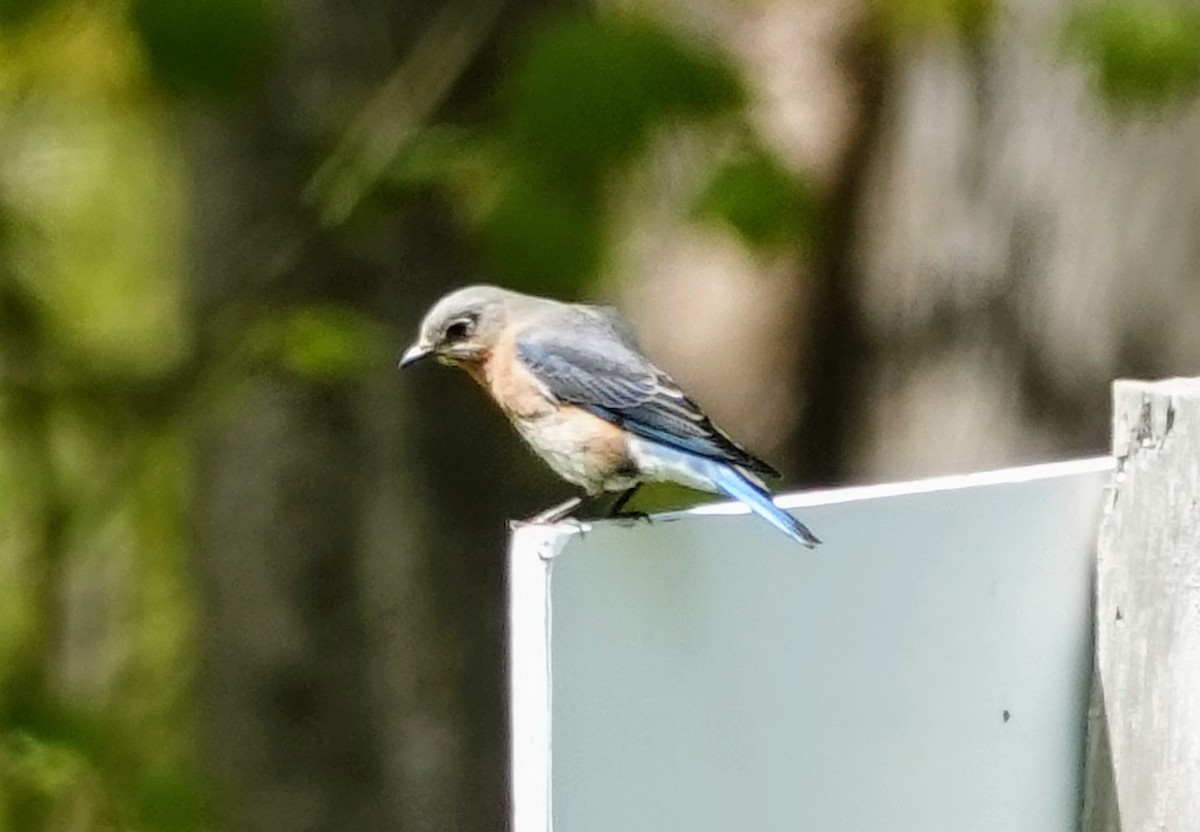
1144, 724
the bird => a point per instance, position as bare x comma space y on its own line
579, 390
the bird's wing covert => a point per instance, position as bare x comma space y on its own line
587, 357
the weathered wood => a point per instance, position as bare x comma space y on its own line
1144, 753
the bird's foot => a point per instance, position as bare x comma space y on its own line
629, 518
581, 527
555, 513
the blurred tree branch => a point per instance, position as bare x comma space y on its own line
401, 106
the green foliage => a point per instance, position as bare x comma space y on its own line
172, 801
47, 772
18, 12
583, 99
439, 154
545, 232
39, 776
102, 379
96, 389
321, 342
762, 201
209, 47
587, 93
36, 716
1140, 53
967, 20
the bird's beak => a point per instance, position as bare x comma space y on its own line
414, 354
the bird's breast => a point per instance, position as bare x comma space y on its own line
581, 448
509, 382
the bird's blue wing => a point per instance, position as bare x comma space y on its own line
587, 356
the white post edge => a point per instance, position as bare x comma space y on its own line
531, 553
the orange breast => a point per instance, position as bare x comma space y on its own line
514, 388
580, 447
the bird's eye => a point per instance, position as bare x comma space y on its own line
459, 330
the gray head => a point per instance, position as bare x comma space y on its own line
463, 326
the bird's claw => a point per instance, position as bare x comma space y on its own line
559, 514
630, 518
554, 514
581, 528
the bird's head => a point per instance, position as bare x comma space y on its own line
462, 327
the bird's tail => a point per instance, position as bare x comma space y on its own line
740, 487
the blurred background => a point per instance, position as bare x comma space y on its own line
251, 578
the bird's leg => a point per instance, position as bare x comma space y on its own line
622, 499
556, 512
615, 511
566, 508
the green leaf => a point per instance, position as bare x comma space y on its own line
45, 769
1141, 53
968, 20
582, 98
171, 801
29, 711
543, 234
762, 202
16, 13
588, 92
208, 46
326, 342
436, 155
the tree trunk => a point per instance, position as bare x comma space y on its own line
1017, 246
350, 532
735, 326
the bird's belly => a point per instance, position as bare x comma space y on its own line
581, 448
659, 463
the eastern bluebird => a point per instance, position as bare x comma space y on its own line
576, 386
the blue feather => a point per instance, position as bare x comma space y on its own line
736, 485
664, 462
